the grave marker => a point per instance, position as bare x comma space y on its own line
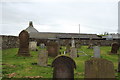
52, 48
23, 43
73, 52
115, 47
42, 58
96, 51
33, 45
63, 68
99, 68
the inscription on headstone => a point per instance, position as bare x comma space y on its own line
23, 43
63, 68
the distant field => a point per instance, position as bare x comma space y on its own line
21, 67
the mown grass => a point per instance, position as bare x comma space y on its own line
24, 66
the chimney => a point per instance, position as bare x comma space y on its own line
30, 24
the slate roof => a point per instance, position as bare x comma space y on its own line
50, 35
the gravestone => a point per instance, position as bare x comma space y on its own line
96, 51
23, 43
42, 58
33, 45
42, 45
99, 68
73, 52
63, 68
115, 47
52, 48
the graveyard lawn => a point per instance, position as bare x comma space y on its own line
14, 66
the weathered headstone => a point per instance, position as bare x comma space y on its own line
52, 48
63, 68
73, 52
115, 47
23, 43
33, 45
99, 68
42, 58
96, 51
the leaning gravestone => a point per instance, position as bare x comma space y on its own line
42, 58
52, 48
33, 45
99, 68
63, 68
73, 52
23, 43
115, 47
96, 52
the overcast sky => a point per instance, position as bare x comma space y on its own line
94, 16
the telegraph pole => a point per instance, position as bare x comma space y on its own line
79, 28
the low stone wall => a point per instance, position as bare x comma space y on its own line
7, 42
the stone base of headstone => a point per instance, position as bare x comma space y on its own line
42, 58
99, 68
73, 52
23, 53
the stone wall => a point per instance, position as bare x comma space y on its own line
13, 42
9, 42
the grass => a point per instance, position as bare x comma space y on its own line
23, 66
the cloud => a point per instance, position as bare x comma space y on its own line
60, 16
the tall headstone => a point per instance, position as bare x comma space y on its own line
23, 43
52, 48
33, 45
99, 68
96, 51
63, 68
73, 52
115, 47
42, 57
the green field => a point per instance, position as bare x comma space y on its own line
21, 67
